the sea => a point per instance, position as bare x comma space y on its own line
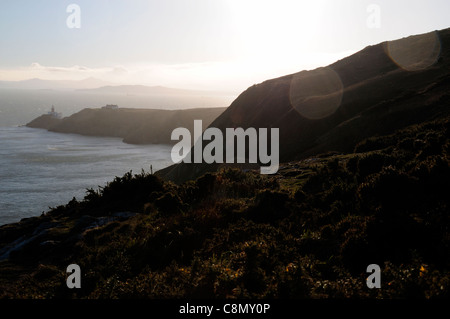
40, 170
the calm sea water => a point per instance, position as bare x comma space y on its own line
41, 169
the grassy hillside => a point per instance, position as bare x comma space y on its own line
308, 232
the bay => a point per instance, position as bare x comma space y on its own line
41, 169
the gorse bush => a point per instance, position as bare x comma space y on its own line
117, 195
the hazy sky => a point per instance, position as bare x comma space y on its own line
205, 44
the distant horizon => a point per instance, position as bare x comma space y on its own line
100, 83
223, 45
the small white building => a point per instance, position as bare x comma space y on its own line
110, 107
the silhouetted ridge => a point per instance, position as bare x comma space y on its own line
332, 108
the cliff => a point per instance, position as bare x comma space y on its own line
45, 121
134, 126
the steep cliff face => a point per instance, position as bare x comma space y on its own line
135, 126
45, 121
375, 91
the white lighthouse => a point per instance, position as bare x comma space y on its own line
53, 113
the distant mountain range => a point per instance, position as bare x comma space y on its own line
149, 90
92, 85
39, 84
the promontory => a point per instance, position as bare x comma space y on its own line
134, 126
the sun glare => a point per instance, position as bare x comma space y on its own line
270, 30
279, 37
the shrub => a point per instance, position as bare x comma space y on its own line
370, 163
269, 205
169, 203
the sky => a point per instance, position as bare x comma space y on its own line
197, 44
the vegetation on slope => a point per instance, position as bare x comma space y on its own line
308, 232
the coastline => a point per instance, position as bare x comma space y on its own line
134, 126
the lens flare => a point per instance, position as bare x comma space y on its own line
415, 53
316, 94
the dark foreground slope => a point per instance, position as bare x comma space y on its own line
135, 126
308, 232
376, 91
